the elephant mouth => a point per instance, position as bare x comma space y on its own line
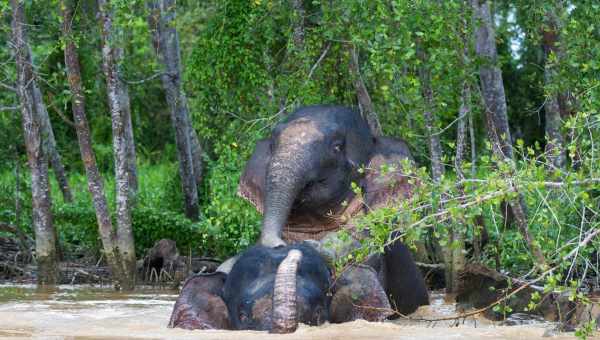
318, 204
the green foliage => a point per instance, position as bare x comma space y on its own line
587, 330
232, 223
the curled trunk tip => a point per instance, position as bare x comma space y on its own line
284, 294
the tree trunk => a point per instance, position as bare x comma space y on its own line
491, 80
94, 179
451, 255
50, 141
459, 260
123, 94
166, 43
435, 147
45, 235
555, 140
298, 34
495, 111
122, 147
364, 100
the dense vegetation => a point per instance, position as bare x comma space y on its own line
248, 63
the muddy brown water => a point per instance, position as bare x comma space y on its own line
84, 312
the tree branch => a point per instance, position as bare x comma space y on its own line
141, 81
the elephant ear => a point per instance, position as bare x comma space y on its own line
382, 186
252, 182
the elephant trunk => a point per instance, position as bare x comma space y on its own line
286, 177
284, 294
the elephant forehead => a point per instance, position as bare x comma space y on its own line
302, 131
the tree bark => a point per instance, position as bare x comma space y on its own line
555, 140
498, 130
166, 43
364, 100
491, 80
45, 235
123, 94
122, 147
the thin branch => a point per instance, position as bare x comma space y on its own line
57, 111
8, 87
547, 184
141, 81
314, 67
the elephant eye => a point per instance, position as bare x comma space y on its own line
338, 146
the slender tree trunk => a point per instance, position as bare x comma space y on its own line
17, 178
555, 139
50, 141
94, 179
491, 81
450, 254
123, 94
364, 100
166, 43
122, 147
45, 235
495, 111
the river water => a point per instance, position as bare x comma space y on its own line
84, 312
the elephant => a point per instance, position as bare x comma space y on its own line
274, 289
301, 180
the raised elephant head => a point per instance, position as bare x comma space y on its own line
276, 288
300, 176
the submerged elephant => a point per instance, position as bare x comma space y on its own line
300, 179
274, 289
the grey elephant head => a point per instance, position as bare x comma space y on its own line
276, 288
305, 169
